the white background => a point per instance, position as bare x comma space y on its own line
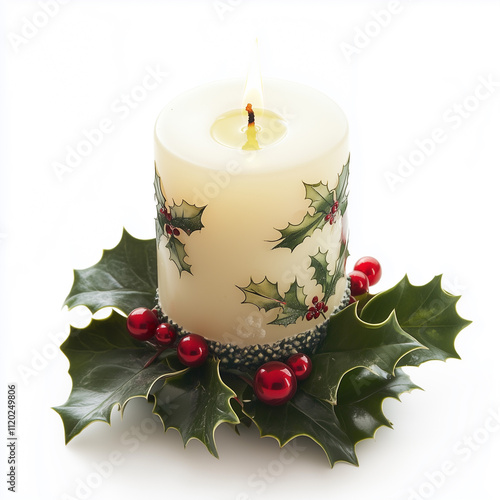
400, 83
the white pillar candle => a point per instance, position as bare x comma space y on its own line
231, 265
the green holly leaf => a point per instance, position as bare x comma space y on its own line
294, 235
321, 197
327, 281
294, 306
159, 228
124, 278
178, 254
341, 189
187, 217
160, 220
304, 415
360, 399
195, 403
351, 343
160, 198
322, 200
426, 312
106, 366
264, 295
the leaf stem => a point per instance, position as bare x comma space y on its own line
153, 358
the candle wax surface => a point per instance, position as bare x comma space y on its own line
238, 201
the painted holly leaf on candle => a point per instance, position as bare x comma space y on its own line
341, 189
326, 280
161, 219
186, 217
294, 306
265, 295
171, 220
178, 254
326, 205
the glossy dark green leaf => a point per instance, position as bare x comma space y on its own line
426, 312
307, 416
352, 343
107, 369
124, 278
195, 403
360, 399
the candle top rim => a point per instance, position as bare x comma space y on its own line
316, 125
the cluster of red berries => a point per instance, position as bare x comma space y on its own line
316, 309
275, 382
367, 272
168, 227
143, 324
330, 217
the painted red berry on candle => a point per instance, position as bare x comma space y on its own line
142, 323
275, 383
192, 350
165, 335
359, 283
300, 364
371, 267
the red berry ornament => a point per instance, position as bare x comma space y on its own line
142, 323
165, 335
371, 267
274, 383
192, 350
300, 364
359, 283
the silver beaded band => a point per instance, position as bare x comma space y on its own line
250, 357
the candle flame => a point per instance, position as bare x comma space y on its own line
253, 87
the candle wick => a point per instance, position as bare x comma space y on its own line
251, 115
251, 143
